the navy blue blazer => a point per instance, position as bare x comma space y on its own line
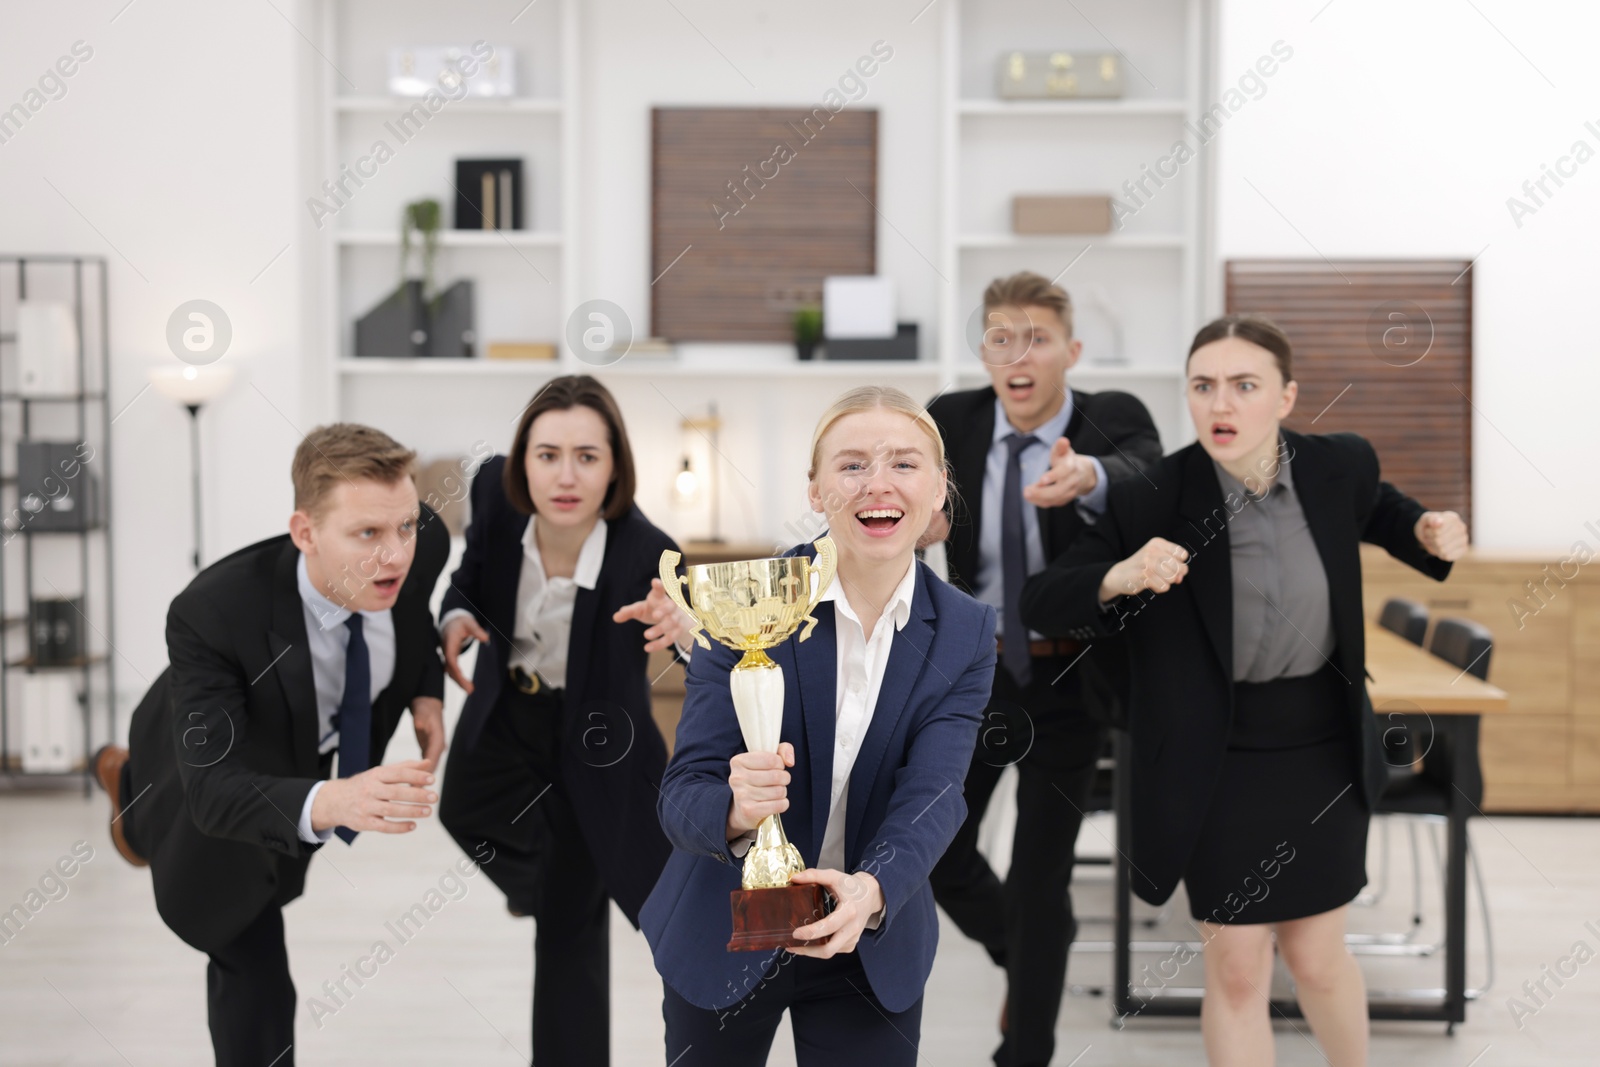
612, 754
905, 798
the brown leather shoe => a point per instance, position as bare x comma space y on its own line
108, 764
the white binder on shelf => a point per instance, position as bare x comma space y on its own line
47, 349
52, 726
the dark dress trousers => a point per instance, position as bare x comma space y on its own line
225, 742
555, 792
1180, 643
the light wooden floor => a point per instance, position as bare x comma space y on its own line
95, 978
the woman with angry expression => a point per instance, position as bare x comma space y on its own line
1233, 571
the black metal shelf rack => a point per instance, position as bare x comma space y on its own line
79, 281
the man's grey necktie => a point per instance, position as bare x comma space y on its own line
1014, 563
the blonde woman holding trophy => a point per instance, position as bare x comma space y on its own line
879, 713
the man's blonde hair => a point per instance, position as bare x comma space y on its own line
1027, 289
344, 451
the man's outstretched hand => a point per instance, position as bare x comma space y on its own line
382, 799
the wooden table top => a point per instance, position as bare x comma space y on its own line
1403, 673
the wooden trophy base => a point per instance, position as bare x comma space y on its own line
767, 918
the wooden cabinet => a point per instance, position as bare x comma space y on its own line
1544, 613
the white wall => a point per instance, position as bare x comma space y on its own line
175, 150
1400, 129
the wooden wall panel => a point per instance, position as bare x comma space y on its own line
767, 202
1388, 345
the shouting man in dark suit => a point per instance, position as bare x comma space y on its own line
1031, 460
281, 655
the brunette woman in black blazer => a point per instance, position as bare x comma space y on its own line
1234, 568
553, 777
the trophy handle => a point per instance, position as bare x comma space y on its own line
826, 563
674, 583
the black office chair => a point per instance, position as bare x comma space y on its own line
1465, 643
1409, 620
1428, 793
1404, 617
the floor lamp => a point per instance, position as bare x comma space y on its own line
192, 387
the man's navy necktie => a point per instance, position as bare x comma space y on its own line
354, 717
1014, 654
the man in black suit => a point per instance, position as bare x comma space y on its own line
1031, 461
281, 654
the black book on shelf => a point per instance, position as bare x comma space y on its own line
489, 194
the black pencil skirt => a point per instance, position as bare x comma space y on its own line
1285, 835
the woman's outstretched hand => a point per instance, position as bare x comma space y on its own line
666, 622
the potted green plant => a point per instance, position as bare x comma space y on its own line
807, 330
420, 217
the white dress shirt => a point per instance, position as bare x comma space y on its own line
542, 628
328, 636
860, 665
859, 668
1033, 461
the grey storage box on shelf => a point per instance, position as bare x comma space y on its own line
57, 490
451, 334
405, 324
397, 326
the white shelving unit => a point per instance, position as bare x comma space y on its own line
1154, 274
523, 278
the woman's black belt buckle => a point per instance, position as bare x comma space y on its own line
528, 683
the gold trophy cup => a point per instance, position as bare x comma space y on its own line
751, 606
